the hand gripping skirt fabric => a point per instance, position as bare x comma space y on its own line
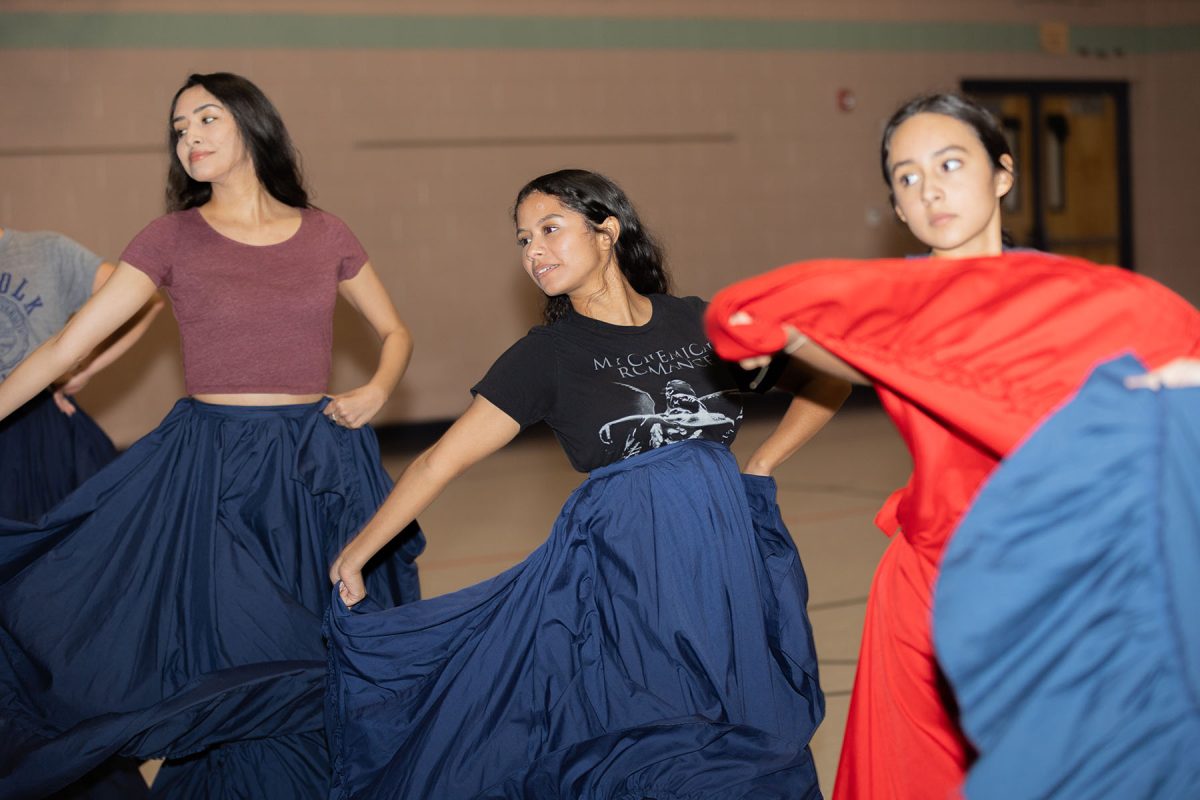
1065, 612
657, 645
171, 606
44, 454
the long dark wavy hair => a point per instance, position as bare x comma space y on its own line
966, 111
639, 255
263, 134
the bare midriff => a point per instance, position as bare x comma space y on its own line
258, 399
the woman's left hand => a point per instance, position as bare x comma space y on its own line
357, 407
67, 387
349, 581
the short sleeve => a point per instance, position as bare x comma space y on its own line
351, 255
523, 381
76, 270
151, 251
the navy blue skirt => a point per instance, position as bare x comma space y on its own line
656, 645
1065, 612
171, 606
44, 455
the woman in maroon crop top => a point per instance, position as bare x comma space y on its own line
193, 568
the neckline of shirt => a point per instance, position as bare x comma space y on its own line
622, 330
294, 237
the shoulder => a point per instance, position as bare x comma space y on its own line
55, 248
164, 234
34, 238
319, 216
541, 338
43, 240
673, 303
159, 244
691, 303
525, 365
680, 310
324, 221
176, 223
537, 348
325, 235
330, 231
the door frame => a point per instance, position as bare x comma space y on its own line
1034, 90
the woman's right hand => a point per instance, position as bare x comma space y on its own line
481, 430
349, 581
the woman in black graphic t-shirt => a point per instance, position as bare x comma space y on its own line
658, 641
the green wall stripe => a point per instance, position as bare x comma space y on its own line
212, 31
1181, 38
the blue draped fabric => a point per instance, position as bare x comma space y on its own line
656, 645
116, 779
171, 606
1064, 616
45, 454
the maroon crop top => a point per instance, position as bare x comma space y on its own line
252, 318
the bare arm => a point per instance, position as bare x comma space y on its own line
815, 399
117, 301
116, 346
480, 431
803, 349
823, 361
366, 293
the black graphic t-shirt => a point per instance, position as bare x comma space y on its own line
612, 391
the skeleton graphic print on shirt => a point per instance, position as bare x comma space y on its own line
683, 416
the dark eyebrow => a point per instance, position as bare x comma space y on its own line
197, 110
948, 148
543, 219
941, 152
